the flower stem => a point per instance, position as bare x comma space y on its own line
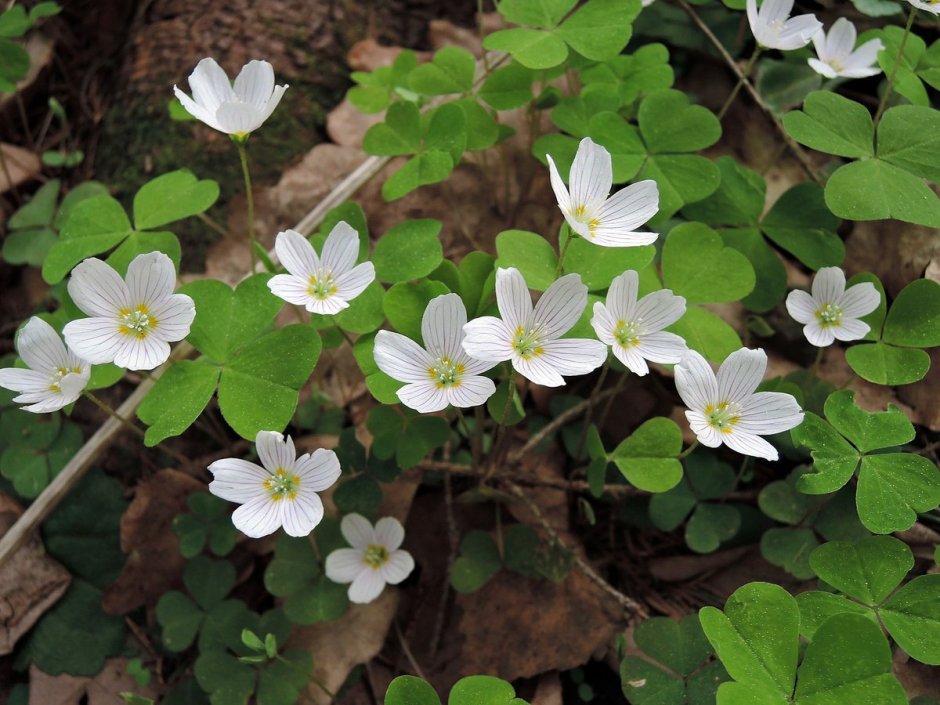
243, 157
587, 414
688, 451
462, 422
883, 103
745, 75
563, 251
814, 370
501, 421
132, 426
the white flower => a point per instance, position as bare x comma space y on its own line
235, 110
440, 373
838, 56
832, 311
56, 376
634, 329
726, 409
647, 3
323, 284
773, 28
531, 338
931, 6
608, 222
281, 493
375, 559
132, 323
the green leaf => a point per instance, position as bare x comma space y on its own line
223, 675
478, 562
679, 645
39, 210
914, 318
428, 168
532, 48
321, 601
707, 333
171, 197
410, 250
360, 495
770, 275
698, 266
75, 636
483, 690
832, 124
893, 488
531, 254
785, 84
404, 305
644, 683
670, 124
449, 71
538, 13
94, 226
365, 313
710, 525
227, 320
474, 271
293, 566
912, 617
409, 690
421, 435
801, 224
598, 266
909, 137
790, 548
682, 178
834, 460
757, 637
209, 581
178, 398
739, 200
816, 607
500, 409
648, 457
14, 21
179, 619
482, 130
600, 29
272, 368
868, 430
868, 570
875, 190
876, 318
508, 87
447, 131
138, 243
400, 133
848, 661
885, 364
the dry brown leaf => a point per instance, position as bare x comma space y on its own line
39, 47
21, 166
30, 582
346, 125
154, 564
103, 689
548, 691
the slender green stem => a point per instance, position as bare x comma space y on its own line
883, 103
462, 422
814, 370
620, 382
501, 421
688, 451
130, 425
745, 75
563, 251
587, 414
345, 335
243, 157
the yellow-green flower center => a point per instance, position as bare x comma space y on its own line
375, 556
445, 372
282, 484
724, 416
57, 376
322, 286
527, 343
137, 321
829, 315
627, 333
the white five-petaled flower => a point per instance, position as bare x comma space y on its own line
831, 312
608, 222
441, 373
773, 28
726, 409
235, 110
375, 559
531, 337
56, 376
838, 56
634, 329
931, 6
133, 321
282, 491
326, 283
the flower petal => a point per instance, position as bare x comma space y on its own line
560, 307
294, 290
850, 329
238, 118
622, 297
828, 286
749, 444
357, 531
512, 298
352, 283
174, 315
695, 382
424, 397
274, 101
16, 379
329, 306
401, 358
473, 391
769, 412
341, 249
625, 211
801, 306
740, 374
859, 300
238, 480
575, 356
662, 347
558, 186
141, 353
487, 338
706, 434
399, 566
318, 471
591, 176
151, 278
659, 309
390, 533
537, 370
196, 110
274, 451
97, 289
841, 39
817, 335
301, 514
296, 253
96, 340
72, 385
442, 326
343, 565
258, 517
367, 586
255, 83
632, 359
40, 347
603, 324
210, 86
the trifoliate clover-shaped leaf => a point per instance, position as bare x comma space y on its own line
697, 265
479, 560
912, 618
408, 251
450, 70
868, 570
531, 254
648, 458
209, 520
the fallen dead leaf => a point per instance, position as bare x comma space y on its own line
39, 47
103, 689
548, 691
30, 582
154, 564
21, 166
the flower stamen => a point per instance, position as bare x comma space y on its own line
724, 416
527, 343
446, 373
137, 321
282, 484
627, 333
322, 285
829, 315
375, 556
